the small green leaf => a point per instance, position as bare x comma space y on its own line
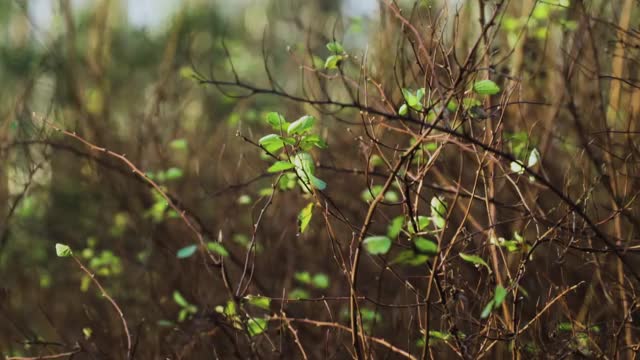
487, 309
438, 211
475, 260
277, 121
259, 301
244, 199
301, 125
425, 246
256, 326
335, 47
299, 294
173, 173
394, 228
437, 335
534, 157
410, 98
377, 245
409, 257
280, 166
179, 299
186, 251
499, 295
422, 222
217, 248
332, 62
63, 250
317, 183
305, 217
178, 144
486, 87
517, 167
271, 142
320, 281
403, 110
303, 277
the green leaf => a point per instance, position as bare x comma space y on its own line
377, 245
256, 326
259, 301
178, 144
422, 222
173, 173
320, 281
403, 110
244, 199
298, 294
486, 87
271, 142
277, 121
217, 248
534, 157
179, 299
410, 98
499, 295
280, 166
312, 140
332, 62
487, 309
437, 335
186, 251
394, 228
335, 47
475, 260
303, 277
63, 250
517, 167
301, 125
438, 211
305, 217
409, 257
317, 183
425, 246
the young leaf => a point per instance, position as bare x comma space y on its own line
271, 142
410, 98
517, 167
63, 250
425, 246
409, 257
280, 166
486, 87
259, 301
422, 222
298, 294
179, 299
376, 245
487, 309
305, 217
394, 228
277, 121
335, 47
178, 144
332, 62
303, 277
499, 295
217, 248
256, 326
534, 157
173, 173
301, 125
186, 251
403, 110
320, 281
475, 260
317, 183
438, 211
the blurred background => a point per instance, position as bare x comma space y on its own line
124, 76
